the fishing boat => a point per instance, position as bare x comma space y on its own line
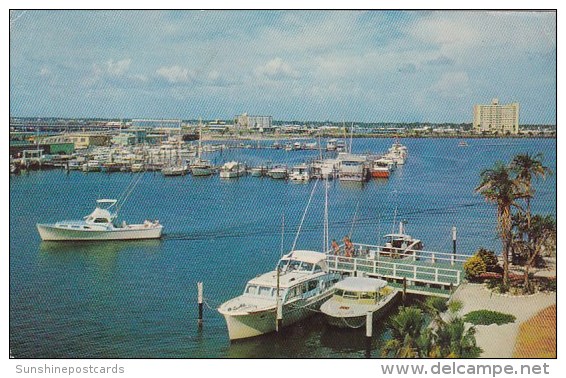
99, 225
400, 245
278, 172
300, 283
300, 172
232, 169
354, 297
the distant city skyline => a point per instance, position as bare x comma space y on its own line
374, 66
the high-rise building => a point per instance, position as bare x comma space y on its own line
262, 123
494, 117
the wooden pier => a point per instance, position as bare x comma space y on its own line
422, 272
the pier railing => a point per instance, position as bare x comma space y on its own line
415, 266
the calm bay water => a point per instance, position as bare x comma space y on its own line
138, 299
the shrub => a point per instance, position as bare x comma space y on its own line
487, 317
437, 304
474, 267
489, 258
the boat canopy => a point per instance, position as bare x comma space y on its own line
100, 216
307, 256
398, 236
359, 284
105, 200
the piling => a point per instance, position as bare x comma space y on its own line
404, 289
369, 330
200, 302
279, 322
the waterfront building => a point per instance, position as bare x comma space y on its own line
85, 140
496, 118
250, 122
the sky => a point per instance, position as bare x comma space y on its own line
365, 66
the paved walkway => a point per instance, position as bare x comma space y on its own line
499, 341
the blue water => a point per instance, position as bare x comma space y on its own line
138, 299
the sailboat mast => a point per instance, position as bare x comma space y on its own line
326, 247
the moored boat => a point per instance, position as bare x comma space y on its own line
300, 172
381, 168
278, 172
354, 297
300, 283
232, 169
99, 225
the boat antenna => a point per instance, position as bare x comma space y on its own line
304, 215
119, 207
351, 137
394, 215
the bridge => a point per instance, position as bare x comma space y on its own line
414, 271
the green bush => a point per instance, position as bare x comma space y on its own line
487, 317
474, 267
489, 258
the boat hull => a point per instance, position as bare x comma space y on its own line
278, 175
242, 326
49, 232
380, 174
342, 317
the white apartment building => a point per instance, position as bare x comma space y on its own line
496, 118
262, 123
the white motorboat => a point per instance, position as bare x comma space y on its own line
352, 167
202, 168
382, 167
278, 172
300, 172
137, 167
331, 145
304, 283
259, 171
91, 166
232, 169
99, 225
397, 152
400, 245
354, 297
174, 170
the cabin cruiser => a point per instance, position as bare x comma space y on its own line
99, 225
331, 145
300, 173
201, 168
381, 168
352, 167
232, 169
354, 297
278, 172
299, 284
174, 170
401, 245
259, 171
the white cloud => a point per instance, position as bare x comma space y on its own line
44, 71
118, 68
175, 74
277, 69
452, 85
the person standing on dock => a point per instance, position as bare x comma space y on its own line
348, 247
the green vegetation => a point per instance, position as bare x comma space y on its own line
489, 258
524, 236
474, 267
413, 336
487, 317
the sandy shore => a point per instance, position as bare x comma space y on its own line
499, 341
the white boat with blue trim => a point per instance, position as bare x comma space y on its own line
304, 283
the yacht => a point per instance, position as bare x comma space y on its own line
201, 168
381, 168
300, 283
331, 145
99, 225
352, 167
232, 169
259, 171
278, 172
174, 170
137, 167
463, 143
354, 297
300, 172
400, 245
91, 166
340, 145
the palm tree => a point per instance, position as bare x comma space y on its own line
406, 328
498, 186
527, 167
462, 339
541, 230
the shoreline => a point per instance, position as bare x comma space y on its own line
500, 341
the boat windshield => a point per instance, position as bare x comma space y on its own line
261, 291
356, 294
